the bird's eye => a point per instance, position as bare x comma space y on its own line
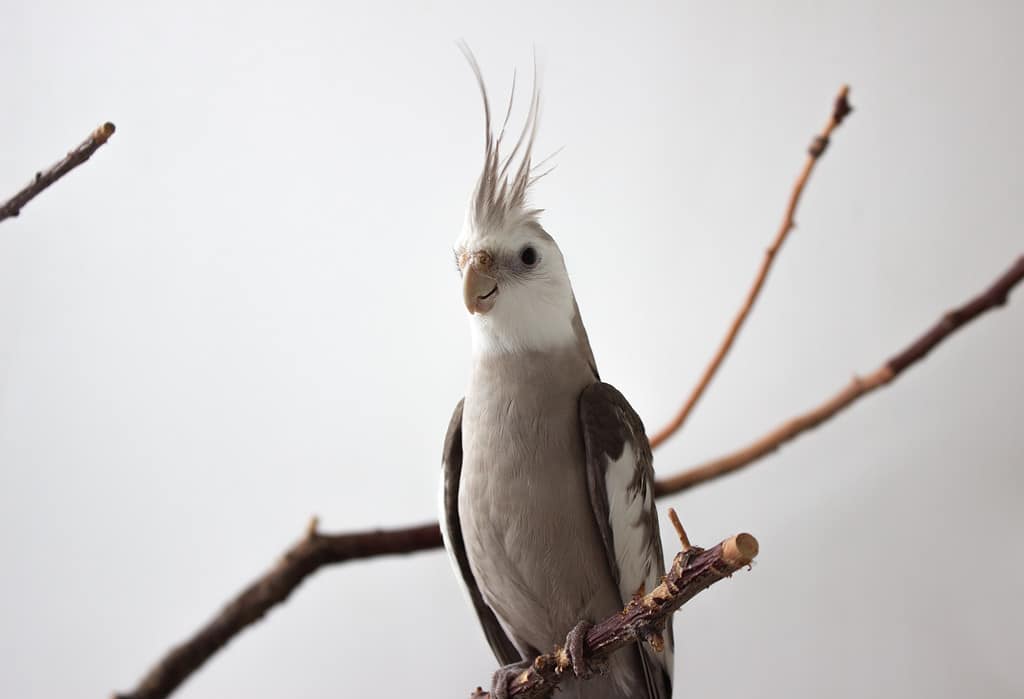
528, 256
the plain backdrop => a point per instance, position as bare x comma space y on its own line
244, 311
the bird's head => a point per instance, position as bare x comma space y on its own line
514, 282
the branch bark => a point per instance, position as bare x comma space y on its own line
840, 109
44, 178
693, 569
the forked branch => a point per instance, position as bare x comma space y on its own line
840, 109
993, 297
44, 178
306, 557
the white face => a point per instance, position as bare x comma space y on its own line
516, 289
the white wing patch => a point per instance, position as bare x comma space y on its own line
629, 518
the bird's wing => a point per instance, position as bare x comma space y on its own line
451, 530
620, 474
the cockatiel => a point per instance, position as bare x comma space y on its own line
548, 486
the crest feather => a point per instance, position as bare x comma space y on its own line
499, 199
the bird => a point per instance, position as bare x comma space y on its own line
547, 488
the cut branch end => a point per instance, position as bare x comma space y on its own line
740, 550
103, 132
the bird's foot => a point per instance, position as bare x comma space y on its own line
575, 647
502, 680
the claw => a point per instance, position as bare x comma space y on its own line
656, 640
504, 677
575, 646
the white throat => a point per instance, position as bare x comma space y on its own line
538, 319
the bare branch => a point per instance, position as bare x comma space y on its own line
42, 180
692, 571
318, 550
993, 297
272, 588
840, 110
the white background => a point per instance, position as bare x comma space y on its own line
243, 311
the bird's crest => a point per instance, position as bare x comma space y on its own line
499, 199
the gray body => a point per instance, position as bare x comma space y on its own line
528, 512
522, 445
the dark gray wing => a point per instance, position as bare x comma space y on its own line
620, 473
451, 529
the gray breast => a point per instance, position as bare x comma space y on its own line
525, 511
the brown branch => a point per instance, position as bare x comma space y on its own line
300, 562
319, 550
993, 297
692, 571
43, 179
840, 110
272, 588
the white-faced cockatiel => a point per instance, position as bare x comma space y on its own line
548, 487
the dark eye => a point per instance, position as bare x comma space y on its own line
528, 256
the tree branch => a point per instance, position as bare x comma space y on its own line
840, 110
993, 297
305, 558
309, 555
43, 179
692, 571
273, 588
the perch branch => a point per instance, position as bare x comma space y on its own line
306, 557
301, 560
692, 571
840, 110
993, 297
43, 179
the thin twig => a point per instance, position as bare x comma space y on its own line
840, 110
692, 571
684, 541
993, 297
43, 179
